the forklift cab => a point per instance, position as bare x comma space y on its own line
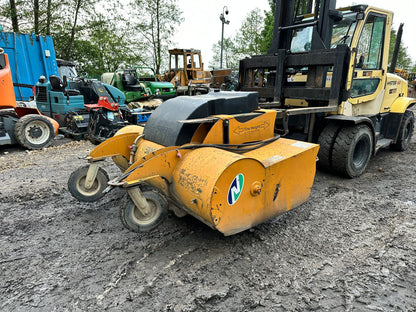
366, 31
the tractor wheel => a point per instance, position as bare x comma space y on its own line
76, 185
326, 142
134, 220
34, 131
405, 132
352, 150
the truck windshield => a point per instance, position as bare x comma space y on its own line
68, 71
342, 33
343, 30
176, 62
146, 73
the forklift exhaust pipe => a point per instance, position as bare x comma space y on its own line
396, 49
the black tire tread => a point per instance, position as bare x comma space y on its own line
326, 142
19, 131
75, 176
127, 201
402, 145
341, 148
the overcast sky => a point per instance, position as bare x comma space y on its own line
202, 26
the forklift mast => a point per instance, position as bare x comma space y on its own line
285, 17
269, 74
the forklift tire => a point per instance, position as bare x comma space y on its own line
326, 142
405, 132
135, 221
76, 184
352, 150
34, 131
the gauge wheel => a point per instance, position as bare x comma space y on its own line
134, 220
34, 131
76, 185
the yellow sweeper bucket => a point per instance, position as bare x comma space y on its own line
230, 186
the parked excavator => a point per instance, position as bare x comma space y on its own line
23, 125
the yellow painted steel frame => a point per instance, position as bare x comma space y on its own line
226, 190
259, 127
401, 104
118, 147
277, 177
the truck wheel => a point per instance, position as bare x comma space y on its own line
352, 150
34, 131
135, 221
76, 185
326, 142
405, 132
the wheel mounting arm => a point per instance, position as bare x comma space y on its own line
139, 200
91, 175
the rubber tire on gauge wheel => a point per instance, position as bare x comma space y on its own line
326, 142
405, 132
135, 221
76, 184
34, 131
352, 150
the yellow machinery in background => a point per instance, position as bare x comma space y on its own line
215, 157
186, 72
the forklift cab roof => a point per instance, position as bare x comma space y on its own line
182, 51
342, 31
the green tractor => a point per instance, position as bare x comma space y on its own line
139, 83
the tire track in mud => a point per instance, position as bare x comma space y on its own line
351, 247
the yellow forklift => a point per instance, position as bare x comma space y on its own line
352, 109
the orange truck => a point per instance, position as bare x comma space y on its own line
21, 125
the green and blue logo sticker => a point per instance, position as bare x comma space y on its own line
235, 190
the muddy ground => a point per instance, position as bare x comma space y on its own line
351, 247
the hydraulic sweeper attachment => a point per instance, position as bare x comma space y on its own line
213, 156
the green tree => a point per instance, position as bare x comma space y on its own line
102, 48
13, 15
156, 26
230, 58
267, 32
248, 39
99, 35
30, 16
78, 7
404, 61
